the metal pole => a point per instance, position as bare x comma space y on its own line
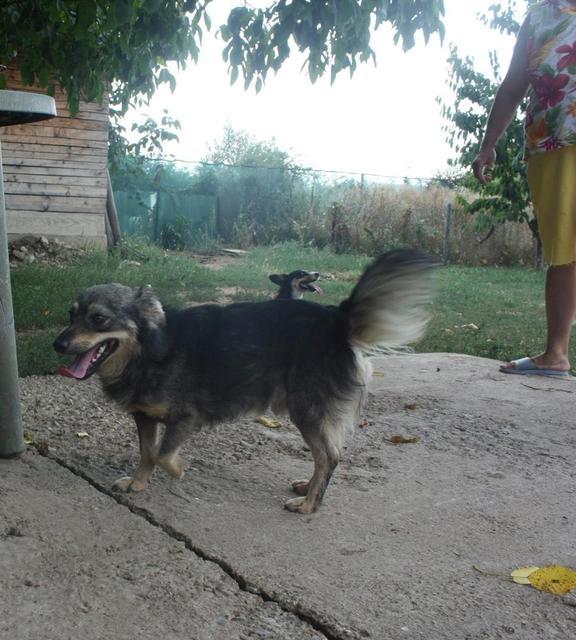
11, 436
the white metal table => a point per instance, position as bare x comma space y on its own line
16, 107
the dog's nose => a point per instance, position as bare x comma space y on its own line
61, 344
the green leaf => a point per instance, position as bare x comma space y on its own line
86, 17
123, 11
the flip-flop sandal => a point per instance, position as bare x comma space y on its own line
526, 367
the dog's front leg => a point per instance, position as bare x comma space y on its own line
148, 435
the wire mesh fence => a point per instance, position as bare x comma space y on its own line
245, 206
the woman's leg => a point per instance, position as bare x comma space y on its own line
560, 295
552, 181
560, 312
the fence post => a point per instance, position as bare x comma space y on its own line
155, 219
447, 231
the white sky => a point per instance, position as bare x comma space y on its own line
383, 120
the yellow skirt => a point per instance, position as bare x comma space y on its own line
552, 182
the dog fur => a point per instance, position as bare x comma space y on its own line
196, 367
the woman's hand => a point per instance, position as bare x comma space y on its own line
483, 164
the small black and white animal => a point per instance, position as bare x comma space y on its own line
295, 284
199, 366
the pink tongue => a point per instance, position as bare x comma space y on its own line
80, 366
316, 288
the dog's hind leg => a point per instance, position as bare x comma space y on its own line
174, 437
148, 435
325, 443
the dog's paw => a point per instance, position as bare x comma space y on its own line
128, 483
299, 505
300, 487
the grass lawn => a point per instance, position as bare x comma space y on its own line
484, 311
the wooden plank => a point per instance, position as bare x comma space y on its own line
20, 149
48, 178
68, 123
71, 159
51, 176
91, 124
83, 116
30, 132
27, 163
58, 154
17, 173
40, 182
39, 140
77, 123
81, 225
68, 189
72, 204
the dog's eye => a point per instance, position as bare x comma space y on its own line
98, 319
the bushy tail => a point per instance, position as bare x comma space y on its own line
388, 306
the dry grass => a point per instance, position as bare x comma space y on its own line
373, 218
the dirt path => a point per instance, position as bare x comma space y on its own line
390, 555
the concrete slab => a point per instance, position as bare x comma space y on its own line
75, 564
490, 483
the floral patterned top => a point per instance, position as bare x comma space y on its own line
551, 114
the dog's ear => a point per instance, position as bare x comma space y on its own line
278, 279
149, 307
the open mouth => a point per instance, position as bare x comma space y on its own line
86, 363
309, 286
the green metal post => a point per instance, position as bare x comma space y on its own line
11, 435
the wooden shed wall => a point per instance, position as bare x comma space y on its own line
55, 173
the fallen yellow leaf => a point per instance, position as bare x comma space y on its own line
268, 422
554, 579
82, 434
521, 575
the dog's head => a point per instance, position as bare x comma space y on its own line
109, 323
294, 285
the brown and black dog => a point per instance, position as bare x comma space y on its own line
199, 366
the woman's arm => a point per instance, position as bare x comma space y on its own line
506, 101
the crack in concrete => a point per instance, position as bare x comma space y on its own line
327, 629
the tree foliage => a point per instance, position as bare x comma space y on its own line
506, 197
240, 148
126, 157
332, 35
90, 46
